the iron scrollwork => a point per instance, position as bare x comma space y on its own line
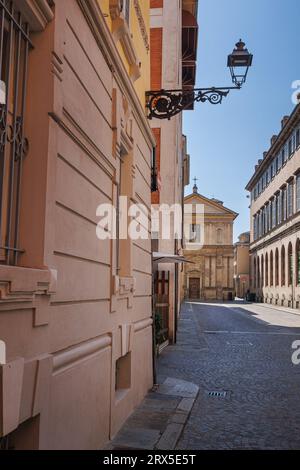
12, 134
164, 104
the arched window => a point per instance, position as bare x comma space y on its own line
258, 273
267, 270
271, 269
283, 266
298, 261
276, 267
262, 270
290, 264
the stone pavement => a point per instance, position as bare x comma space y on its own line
159, 421
236, 357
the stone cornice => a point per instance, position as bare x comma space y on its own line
280, 140
106, 43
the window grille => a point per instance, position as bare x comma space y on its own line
14, 49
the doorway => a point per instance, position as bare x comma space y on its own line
194, 288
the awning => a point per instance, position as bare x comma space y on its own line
158, 257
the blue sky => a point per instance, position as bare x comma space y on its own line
225, 141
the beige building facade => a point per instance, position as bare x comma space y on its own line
209, 275
275, 218
242, 265
75, 311
174, 34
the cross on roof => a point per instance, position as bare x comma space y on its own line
195, 180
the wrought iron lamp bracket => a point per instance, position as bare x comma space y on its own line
164, 104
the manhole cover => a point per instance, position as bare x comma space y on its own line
217, 394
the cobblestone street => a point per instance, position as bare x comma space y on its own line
245, 351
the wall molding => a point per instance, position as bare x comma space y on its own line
67, 358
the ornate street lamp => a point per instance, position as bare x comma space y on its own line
239, 59
164, 104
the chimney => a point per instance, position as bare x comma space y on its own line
273, 139
284, 121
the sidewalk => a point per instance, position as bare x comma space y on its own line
160, 419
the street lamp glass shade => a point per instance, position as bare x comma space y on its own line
240, 58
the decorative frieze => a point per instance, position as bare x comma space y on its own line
142, 24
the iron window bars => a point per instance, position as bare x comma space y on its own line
14, 48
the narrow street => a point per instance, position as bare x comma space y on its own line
243, 350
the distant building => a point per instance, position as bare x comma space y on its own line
242, 265
209, 276
275, 218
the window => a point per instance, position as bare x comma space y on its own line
279, 161
14, 48
267, 218
274, 213
271, 269
267, 270
195, 233
270, 215
283, 155
283, 205
276, 267
297, 138
268, 175
290, 199
283, 266
126, 9
298, 192
290, 147
258, 273
290, 264
278, 209
298, 261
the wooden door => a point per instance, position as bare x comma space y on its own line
162, 305
194, 288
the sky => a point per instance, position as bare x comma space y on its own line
226, 140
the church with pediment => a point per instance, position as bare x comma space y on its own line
208, 230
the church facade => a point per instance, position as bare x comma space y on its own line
209, 248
